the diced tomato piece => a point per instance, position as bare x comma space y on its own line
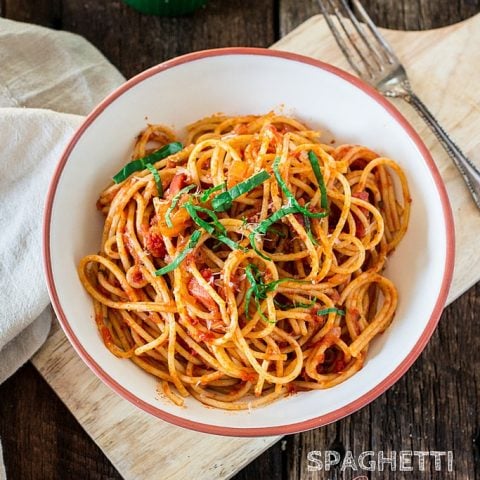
198, 292
207, 274
194, 321
106, 335
363, 195
154, 244
177, 183
359, 228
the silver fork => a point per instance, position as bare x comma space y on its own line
373, 59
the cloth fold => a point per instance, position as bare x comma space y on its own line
32, 142
48, 81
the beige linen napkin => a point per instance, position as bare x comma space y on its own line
48, 80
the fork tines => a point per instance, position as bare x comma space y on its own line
359, 39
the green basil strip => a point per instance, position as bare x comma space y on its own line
253, 244
253, 290
289, 306
265, 225
209, 191
156, 177
278, 232
268, 222
230, 243
208, 227
292, 200
213, 216
223, 202
216, 229
259, 310
248, 297
270, 287
259, 290
318, 175
326, 311
308, 228
141, 163
174, 203
181, 256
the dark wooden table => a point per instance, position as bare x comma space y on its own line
434, 407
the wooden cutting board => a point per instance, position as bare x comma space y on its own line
444, 67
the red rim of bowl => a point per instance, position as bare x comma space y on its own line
281, 429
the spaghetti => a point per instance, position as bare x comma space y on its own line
248, 264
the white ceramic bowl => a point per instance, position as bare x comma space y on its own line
242, 81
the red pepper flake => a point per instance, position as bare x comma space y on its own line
137, 276
206, 337
240, 129
248, 376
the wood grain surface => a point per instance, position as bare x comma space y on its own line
435, 406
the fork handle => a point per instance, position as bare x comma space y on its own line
467, 169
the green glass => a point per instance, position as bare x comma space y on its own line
168, 8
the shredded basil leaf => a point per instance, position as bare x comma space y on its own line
223, 202
230, 243
253, 276
318, 175
141, 163
288, 306
213, 216
216, 229
265, 225
181, 256
259, 310
190, 208
291, 198
275, 217
308, 228
278, 232
258, 289
175, 200
209, 191
326, 311
156, 177
253, 244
